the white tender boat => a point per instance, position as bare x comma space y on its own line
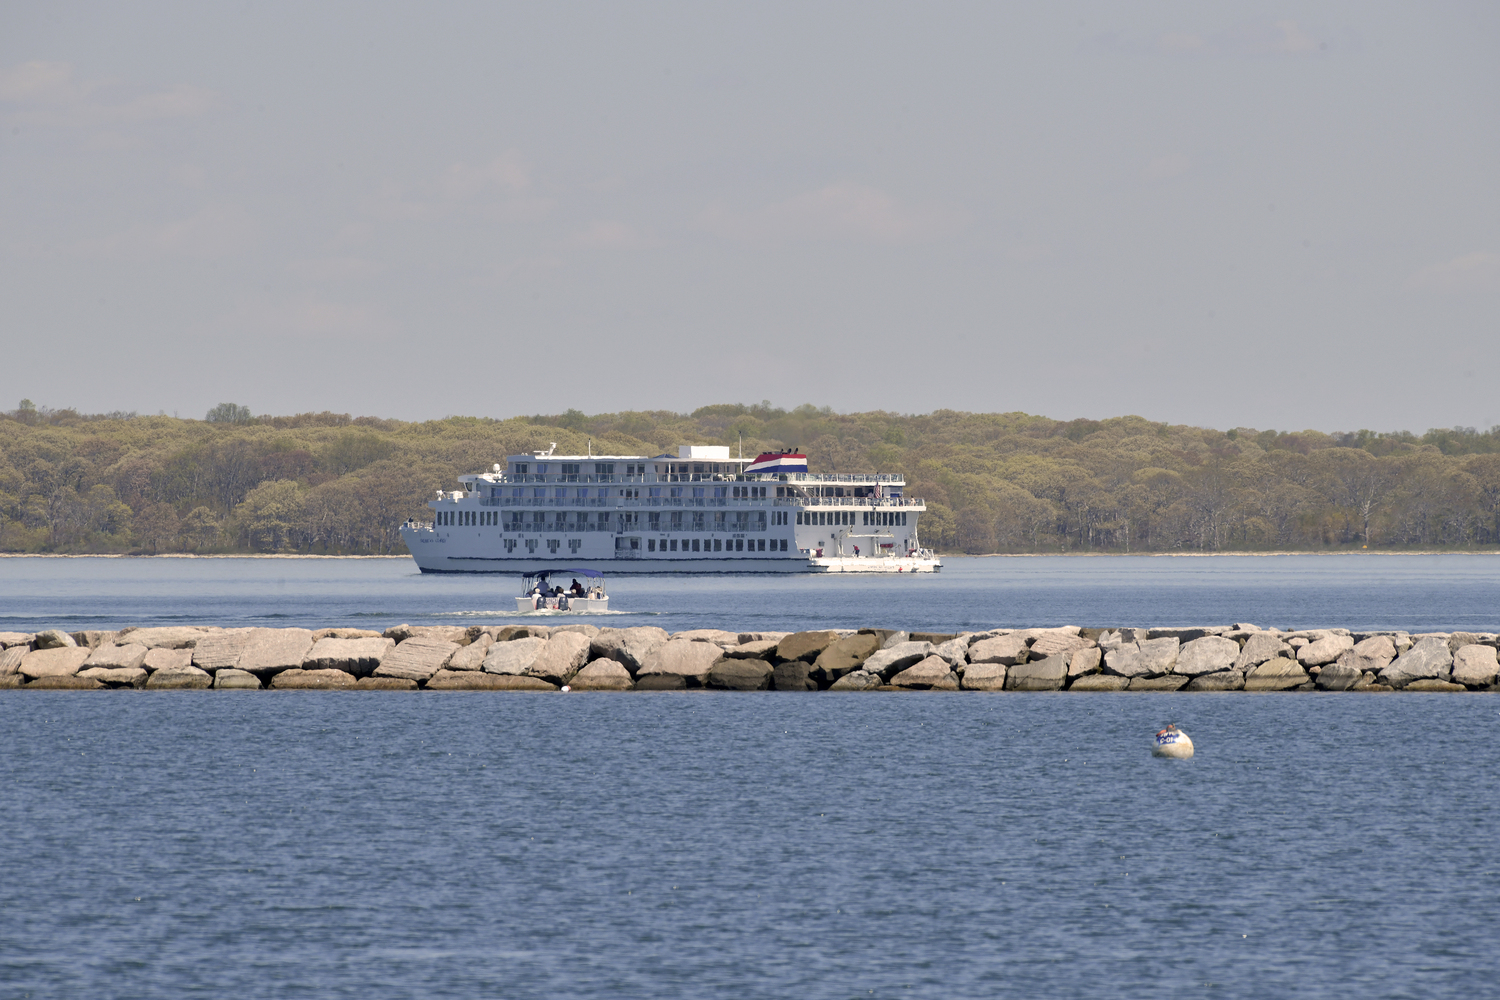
585, 596
698, 511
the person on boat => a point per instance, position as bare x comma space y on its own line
856, 551
577, 589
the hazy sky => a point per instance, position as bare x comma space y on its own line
1218, 214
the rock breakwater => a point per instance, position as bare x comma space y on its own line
1239, 657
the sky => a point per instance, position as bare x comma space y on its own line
1223, 215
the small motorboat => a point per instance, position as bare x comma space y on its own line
585, 594
1172, 742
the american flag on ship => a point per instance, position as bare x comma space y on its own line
778, 462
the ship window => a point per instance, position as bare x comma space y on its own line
650, 545
697, 491
604, 468
521, 468
695, 545
654, 491
739, 545
799, 517
760, 545
675, 491
674, 545
541, 468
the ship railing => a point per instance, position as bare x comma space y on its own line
653, 478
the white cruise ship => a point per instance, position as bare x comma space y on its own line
698, 511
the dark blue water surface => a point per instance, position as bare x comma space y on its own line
336, 844
1417, 593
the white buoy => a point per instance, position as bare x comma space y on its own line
1172, 742
566, 688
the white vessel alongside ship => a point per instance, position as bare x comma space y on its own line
698, 511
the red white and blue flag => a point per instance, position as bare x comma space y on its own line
778, 462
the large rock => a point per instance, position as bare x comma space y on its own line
564, 655
760, 649
344, 633
230, 679
955, 650
358, 657
1038, 675
1006, 649
1208, 655
602, 675
1162, 682
1324, 650
805, 645
456, 634
65, 682
165, 637
717, 635
626, 646
116, 676
1434, 684
984, 677
1259, 648
8, 681
932, 673
52, 638
1056, 643
1099, 682
513, 657
892, 660
1276, 675
323, 680
1456, 641
1148, 658
1429, 658
471, 657
416, 659
680, 658
186, 678
659, 682
793, 675
1085, 661
10, 659
1224, 680
478, 680
57, 661
1475, 666
589, 631
9, 639
1337, 677
1370, 655
220, 650
859, 680
843, 657
94, 638
735, 673
386, 683
168, 659
269, 651
117, 657
771, 637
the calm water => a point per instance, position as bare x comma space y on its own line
308, 844
1417, 593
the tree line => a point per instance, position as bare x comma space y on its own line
994, 482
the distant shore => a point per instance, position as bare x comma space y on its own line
537, 657
948, 555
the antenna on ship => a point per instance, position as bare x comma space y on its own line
742, 447
591, 447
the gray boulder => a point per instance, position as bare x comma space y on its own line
954, 651
230, 679
602, 675
715, 635
889, 638
1211, 654
564, 655
1099, 682
932, 673
1160, 682
984, 677
1337, 677
165, 637
1475, 666
1224, 680
513, 657
64, 682
1259, 648
358, 657
269, 651
1429, 658
1085, 661
1149, 658
10, 659
844, 656
739, 673
859, 680
1276, 675
1059, 642
52, 638
805, 645
117, 657
793, 675
1038, 675
219, 650
680, 658
1324, 650
892, 660
318, 680
589, 631
184, 679
416, 659
1005, 649
116, 676
94, 638
9, 639
168, 659
772, 637
758, 649
55, 661
627, 646
1370, 655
